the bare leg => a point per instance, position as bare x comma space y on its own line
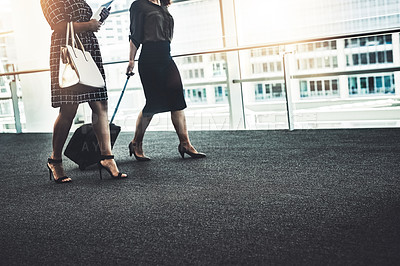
102, 131
179, 121
62, 125
142, 123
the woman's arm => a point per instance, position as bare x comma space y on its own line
132, 54
92, 25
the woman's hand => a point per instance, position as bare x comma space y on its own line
93, 25
130, 67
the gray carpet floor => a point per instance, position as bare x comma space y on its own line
312, 197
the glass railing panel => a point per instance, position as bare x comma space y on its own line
7, 123
350, 83
263, 88
7, 119
206, 90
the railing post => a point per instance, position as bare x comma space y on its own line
233, 70
14, 98
288, 90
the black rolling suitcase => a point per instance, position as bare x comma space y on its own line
83, 148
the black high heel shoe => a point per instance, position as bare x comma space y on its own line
100, 166
182, 150
61, 179
132, 151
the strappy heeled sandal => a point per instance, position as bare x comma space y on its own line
61, 179
108, 157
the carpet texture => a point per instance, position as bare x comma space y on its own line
312, 197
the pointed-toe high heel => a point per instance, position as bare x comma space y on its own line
60, 180
182, 150
132, 151
100, 166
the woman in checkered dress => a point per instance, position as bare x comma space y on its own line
57, 14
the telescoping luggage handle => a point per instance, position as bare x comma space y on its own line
120, 97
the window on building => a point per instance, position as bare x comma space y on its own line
278, 66
333, 45
221, 94
380, 40
327, 86
270, 91
311, 62
363, 58
379, 85
335, 61
303, 89
335, 87
197, 95
371, 85
272, 66
388, 39
372, 58
264, 52
265, 67
327, 61
312, 88
319, 88
355, 59
389, 56
381, 57
277, 90
363, 41
267, 89
259, 92
363, 85
217, 70
353, 86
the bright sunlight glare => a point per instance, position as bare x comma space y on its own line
270, 20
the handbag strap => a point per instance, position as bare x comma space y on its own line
120, 97
74, 38
70, 34
67, 35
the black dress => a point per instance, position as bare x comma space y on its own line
152, 27
56, 11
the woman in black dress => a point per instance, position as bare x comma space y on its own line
58, 13
152, 27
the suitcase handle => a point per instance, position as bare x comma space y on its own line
128, 75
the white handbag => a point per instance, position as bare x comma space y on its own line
78, 71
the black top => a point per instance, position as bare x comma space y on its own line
150, 23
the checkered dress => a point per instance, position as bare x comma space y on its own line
57, 11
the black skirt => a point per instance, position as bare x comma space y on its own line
160, 78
